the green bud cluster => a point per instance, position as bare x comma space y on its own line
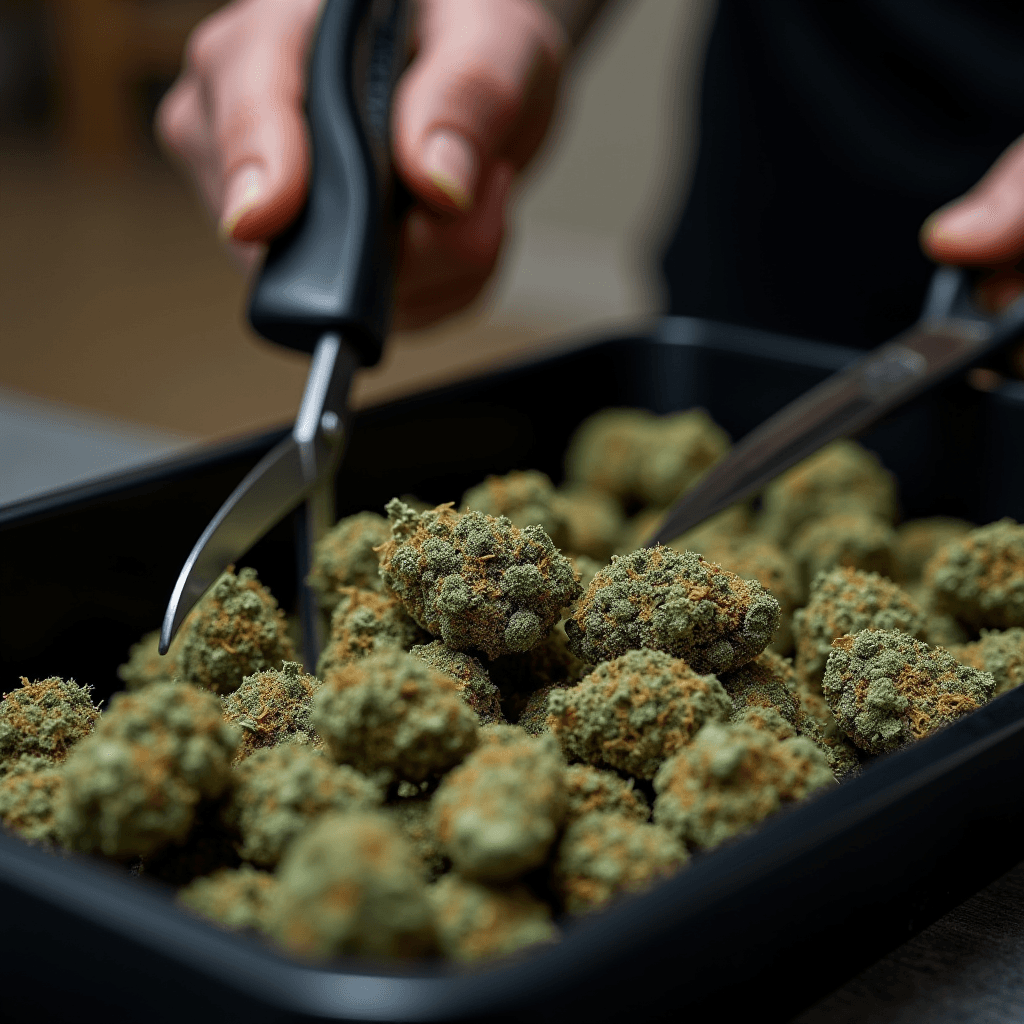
271, 707
391, 711
605, 854
471, 679
476, 581
918, 539
635, 711
145, 663
730, 778
846, 601
675, 602
999, 652
841, 476
636, 455
769, 681
525, 498
533, 718
413, 817
345, 557
29, 790
856, 539
45, 718
277, 793
589, 790
887, 689
816, 722
365, 621
980, 578
351, 884
592, 521
133, 786
235, 630
752, 557
498, 813
476, 921
234, 898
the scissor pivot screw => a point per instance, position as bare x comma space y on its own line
330, 424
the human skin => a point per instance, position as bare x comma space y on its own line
469, 113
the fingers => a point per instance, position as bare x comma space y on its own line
235, 116
480, 66
444, 262
986, 226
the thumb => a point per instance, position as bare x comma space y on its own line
477, 69
986, 226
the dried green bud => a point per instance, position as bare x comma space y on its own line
475, 581
45, 718
855, 539
674, 602
847, 601
754, 558
345, 557
918, 539
526, 498
278, 793
840, 476
235, 630
271, 707
471, 679
634, 712
590, 789
147, 665
415, 821
29, 790
1000, 653
351, 884
767, 682
816, 722
363, 622
132, 786
603, 855
980, 578
887, 689
592, 520
477, 921
498, 813
533, 719
634, 454
730, 778
235, 898
392, 711
767, 719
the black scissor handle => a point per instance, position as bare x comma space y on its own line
333, 268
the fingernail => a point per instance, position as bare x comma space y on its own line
452, 166
243, 192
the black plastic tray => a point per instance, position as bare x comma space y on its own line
765, 925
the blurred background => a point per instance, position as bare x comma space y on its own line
123, 319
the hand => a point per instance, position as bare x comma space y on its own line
986, 228
469, 112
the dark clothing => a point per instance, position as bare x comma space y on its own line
829, 118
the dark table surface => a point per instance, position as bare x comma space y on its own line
966, 967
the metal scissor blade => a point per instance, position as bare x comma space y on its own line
846, 403
287, 475
275, 486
